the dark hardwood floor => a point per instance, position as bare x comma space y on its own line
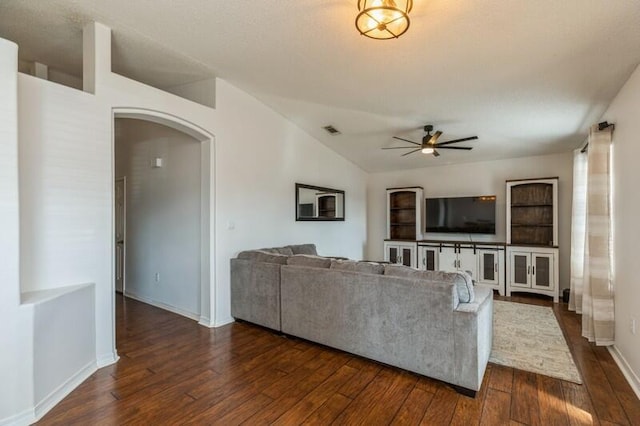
173, 371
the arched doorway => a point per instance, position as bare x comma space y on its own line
206, 249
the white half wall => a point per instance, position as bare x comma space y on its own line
472, 179
624, 112
162, 214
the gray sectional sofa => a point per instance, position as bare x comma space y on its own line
399, 316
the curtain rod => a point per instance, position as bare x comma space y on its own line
601, 126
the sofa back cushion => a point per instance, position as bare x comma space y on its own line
263, 256
364, 267
304, 249
278, 250
462, 280
309, 260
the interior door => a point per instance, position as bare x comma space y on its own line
520, 269
467, 261
542, 271
120, 200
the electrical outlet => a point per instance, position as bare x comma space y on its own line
157, 277
632, 325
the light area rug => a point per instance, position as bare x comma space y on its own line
529, 338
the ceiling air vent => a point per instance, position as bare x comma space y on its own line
331, 130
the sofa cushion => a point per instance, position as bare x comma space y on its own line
278, 250
304, 249
352, 265
263, 256
462, 280
308, 260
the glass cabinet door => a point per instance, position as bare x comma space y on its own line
520, 269
541, 271
488, 263
393, 254
407, 255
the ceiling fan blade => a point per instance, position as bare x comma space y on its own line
411, 152
434, 138
399, 147
406, 140
435, 153
472, 138
465, 148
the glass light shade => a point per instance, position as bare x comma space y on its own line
383, 19
427, 150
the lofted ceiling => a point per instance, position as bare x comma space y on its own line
527, 77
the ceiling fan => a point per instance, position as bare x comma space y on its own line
429, 143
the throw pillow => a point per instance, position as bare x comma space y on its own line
462, 280
263, 256
304, 249
308, 260
364, 267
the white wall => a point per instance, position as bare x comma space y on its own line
66, 194
472, 179
16, 322
259, 157
624, 111
163, 214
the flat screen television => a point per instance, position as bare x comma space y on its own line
466, 215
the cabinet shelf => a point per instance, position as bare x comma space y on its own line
404, 212
532, 205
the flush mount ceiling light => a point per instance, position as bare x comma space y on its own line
383, 19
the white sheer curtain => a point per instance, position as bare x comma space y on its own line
591, 284
578, 228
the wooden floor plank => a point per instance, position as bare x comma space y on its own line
501, 378
412, 410
367, 399
579, 407
328, 411
525, 407
553, 408
173, 371
314, 399
496, 408
393, 398
442, 407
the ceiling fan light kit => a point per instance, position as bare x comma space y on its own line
383, 19
430, 143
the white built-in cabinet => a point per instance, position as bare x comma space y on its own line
484, 261
401, 253
532, 237
534, 270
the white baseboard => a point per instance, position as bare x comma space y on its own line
182, 312
206, 322
63, 390
628, 373
107, 359
224, 321
21, 419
